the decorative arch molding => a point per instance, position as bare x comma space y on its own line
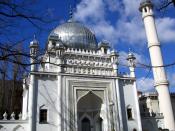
44, 106
86, 116
82, 118
129, 106
19, 128
86, 93
85, 103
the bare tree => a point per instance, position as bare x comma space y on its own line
14, 60
13, 14
165, 3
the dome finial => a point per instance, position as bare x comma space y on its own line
129, 50
34, 36
71, 13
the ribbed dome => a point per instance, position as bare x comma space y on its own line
75, 35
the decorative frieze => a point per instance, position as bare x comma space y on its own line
82, 61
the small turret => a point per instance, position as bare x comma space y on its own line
104, 47
131, 62
34, 44
60, 48
114, 59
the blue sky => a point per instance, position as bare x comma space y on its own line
120, 23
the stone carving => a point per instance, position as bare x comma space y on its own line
5, 116
12, 116
20, 116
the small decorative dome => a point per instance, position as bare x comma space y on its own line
34, 43
74, 35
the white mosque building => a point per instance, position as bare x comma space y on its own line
77, 87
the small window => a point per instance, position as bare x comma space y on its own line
54, 43
129, 113
105, 51
144, 108
43, 116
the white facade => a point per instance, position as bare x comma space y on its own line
78, 89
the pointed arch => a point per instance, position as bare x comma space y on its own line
86, 106
90, 101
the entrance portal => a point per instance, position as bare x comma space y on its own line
89, 108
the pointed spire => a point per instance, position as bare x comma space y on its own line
129, 50
34, 37
34, 42
71, 14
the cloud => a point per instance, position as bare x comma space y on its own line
93, 10
131, 32
128, 27
166, 29
113, 5
106, 31
145, 84
130, 8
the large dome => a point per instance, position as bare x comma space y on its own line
74, 35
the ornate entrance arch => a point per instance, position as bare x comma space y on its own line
88, 110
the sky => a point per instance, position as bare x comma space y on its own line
120, 23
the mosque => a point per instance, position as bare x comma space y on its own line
77, 87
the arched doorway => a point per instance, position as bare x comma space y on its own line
86, 125
88, 110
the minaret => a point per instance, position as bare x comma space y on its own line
131, 63
32, 110
161, 83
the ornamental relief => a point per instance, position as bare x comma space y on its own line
88, 61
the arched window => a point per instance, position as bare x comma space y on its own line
86, 125
43, 114
130, 113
